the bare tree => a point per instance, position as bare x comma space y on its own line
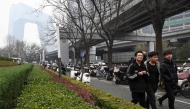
140, 47
18, 48
75, 16
30, 51
108, 20
10, 45
143, 46
158, 10
48, 37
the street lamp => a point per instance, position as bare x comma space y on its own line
58, 49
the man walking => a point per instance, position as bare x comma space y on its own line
153, 71
170, 79
138, 79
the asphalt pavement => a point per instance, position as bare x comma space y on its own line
123, 92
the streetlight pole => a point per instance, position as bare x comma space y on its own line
40, 57
43, 56
58, 49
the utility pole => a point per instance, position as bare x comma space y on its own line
43, 56
58, 49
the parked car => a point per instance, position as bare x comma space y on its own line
99, 63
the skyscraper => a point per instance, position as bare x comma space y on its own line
20, 14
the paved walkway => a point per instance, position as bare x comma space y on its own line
123, 92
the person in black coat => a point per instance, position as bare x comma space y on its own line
144, 56
170, 79
131, 61
138, 79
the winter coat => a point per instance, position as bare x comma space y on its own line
137, 83
169, 72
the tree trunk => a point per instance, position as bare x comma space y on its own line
87, 56
159, 48
77, 56
110, 56
110, 49
74, 62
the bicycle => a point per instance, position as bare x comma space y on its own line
185, 88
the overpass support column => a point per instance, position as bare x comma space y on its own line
150, 46
64, 51
92, 54
73, 58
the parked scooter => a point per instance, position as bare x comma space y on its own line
102, 72
73, 71
54, 66
110, 74
182, 75
120, 75
93, 70
83, 76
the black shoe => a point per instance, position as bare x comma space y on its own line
160, 102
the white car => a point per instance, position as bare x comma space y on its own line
99, 63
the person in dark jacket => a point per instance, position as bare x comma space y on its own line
144, 56
138, 79
131, 61
153, 71
170, 79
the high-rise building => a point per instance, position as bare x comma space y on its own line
20, 14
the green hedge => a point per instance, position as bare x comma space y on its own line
12, 80
7, 63
42, 93
103, 99
5, 58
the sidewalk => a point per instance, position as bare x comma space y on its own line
124, 92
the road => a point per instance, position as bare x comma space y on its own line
123, 92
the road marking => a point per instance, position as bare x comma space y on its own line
175, 99
157, 94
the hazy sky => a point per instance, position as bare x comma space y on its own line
4, 11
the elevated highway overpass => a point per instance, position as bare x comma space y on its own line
137, 20
126, 42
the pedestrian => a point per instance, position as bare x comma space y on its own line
170, 79
153, 71
138, 79
144, 56
131, 61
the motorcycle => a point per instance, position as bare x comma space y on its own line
110, 75
120, 75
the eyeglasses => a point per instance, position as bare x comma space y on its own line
139, 55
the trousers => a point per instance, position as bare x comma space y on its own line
138, 97
151, 99
170, 95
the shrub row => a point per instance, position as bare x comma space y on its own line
5, 58
103, 99
42, 93
12, 80
7, 63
